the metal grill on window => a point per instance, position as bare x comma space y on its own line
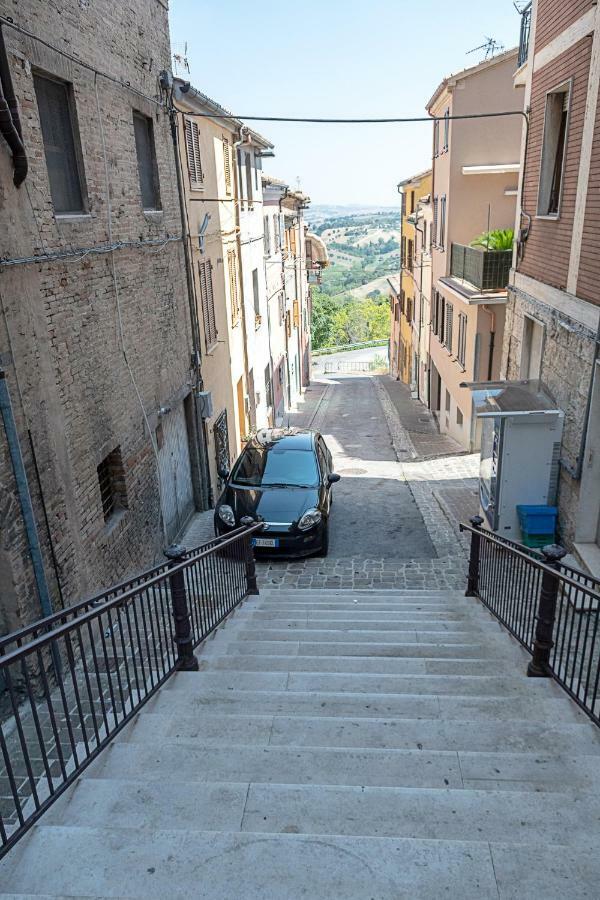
227, 165
111, 480
146, 158
61, 144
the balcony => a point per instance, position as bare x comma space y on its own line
487, 270
525, 35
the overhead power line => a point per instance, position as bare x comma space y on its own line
377, 121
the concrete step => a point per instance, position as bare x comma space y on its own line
424, 649
359, 664
365, 615
410, 706
333, 682
214, 866
369, 637
464, 626
386, 733
463, 815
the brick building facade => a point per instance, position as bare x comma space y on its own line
553, 309
96, 346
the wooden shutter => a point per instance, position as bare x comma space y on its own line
227, 165
192, 147
449, 322
233, 286
208, 303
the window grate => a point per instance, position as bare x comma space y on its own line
61, 144
227, 165
111, 480
146, 158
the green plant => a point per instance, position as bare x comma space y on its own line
498, 239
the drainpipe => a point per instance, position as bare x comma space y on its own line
577, 471
492, 314
238, 236
10, 123
16, 458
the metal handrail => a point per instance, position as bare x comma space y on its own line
103, 596
554, 616
112, 657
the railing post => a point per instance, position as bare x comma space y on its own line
546, 613
473, 582
186, 661
250, 560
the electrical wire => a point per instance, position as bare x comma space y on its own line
399, 120
81, 252
7, 20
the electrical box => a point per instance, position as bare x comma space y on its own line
204, 404
520, 451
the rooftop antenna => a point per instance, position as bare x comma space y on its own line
180, 60
521, 5
491, 47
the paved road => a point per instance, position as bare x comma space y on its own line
374, 515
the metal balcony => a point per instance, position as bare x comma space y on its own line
525, 34
487, 270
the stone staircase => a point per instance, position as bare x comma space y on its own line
373, 745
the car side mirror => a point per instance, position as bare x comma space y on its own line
223, 473
333, 478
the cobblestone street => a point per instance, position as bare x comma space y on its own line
395, 516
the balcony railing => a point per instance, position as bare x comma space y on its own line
72, 681
487, 270
525, 35
553, 610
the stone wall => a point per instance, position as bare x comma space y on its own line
88, 374
566, 372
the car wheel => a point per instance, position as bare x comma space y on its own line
324, 550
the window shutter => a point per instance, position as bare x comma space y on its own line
267, 236
449, 322
233, 286
227, 165
192, 146
208, 303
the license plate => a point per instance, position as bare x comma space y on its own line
265, 542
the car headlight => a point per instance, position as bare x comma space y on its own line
226, 515
310, 518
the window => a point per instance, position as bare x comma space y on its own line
276, 464
424, 244
248, 166
227, 165
449, 323
111, 480
441, 317
436, 138
447, 401
256, 293
208, 303
268, 386
434, 232
412, 201
233, 286
403, 250
461, 352
277, 231
281, 308
267, 236
192, 149
296, 308
409, 310
446, 131
146, 157
553, 151
61, 144
532, 348
434, 312
459, 416
442, 237
410, 255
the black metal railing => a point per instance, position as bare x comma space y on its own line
487, 270
75, 679
525, 35
553, 610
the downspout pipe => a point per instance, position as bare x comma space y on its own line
18, 466
10, 123
492, 315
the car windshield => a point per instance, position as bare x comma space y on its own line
276, 467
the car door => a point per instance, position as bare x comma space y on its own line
325, 468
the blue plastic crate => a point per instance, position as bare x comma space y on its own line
537, 519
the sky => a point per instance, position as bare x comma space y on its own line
336, 58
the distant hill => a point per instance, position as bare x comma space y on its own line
317, 213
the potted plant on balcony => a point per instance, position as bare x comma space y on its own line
497, 240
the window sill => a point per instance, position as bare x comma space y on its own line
153, 214
549, 217
74, 218
115, 522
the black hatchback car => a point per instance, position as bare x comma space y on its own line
283, 478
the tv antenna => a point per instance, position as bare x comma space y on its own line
180, 60
521, 5
491, 47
